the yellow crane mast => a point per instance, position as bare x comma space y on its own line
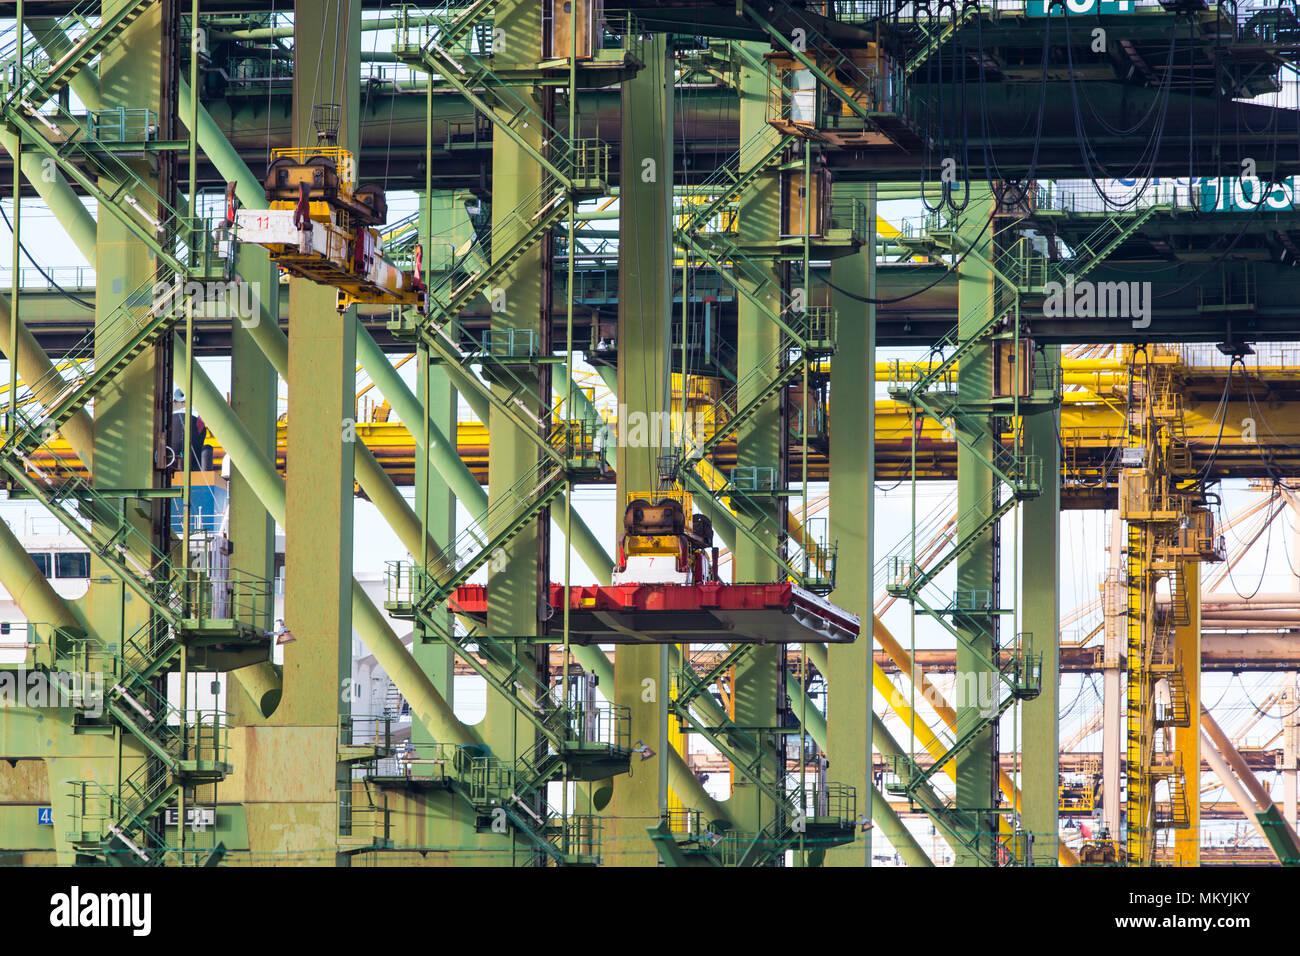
1170, 531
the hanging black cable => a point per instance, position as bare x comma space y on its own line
48, 278
911, 295
1098, 171
965, 113
992, 171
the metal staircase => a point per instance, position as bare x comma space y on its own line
1020, 478
461, 60
732, 177
126, 332
518, 789
120, 826
937, 38
962, 828
1017, 669
718, 247
509, 240
811, 819
587, 741
807, 335
1022, 272
185, 247
506, 516
839, 74
44, 79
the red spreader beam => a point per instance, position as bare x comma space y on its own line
687, 614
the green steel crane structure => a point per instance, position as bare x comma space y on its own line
744, 148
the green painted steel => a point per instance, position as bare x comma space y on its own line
976, 790
759, 444
644, 340
1040, 616
852, 489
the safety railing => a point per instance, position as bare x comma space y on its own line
1022, 667
64, 651
620, 32
753, 479
849, 215
94, 811
206, 734
590, 161
510, 345
579, 839
362, 822
600, 723
427, 763
222, 596
51, 278
1265, 357
833, 803
486, 779
404, 582
122, 125
361, 730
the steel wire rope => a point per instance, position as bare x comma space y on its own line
867, 300
990, 160
1151, 147
1263, 713
48, 278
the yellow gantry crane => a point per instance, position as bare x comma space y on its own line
1170, 532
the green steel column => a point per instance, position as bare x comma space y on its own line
515, 582
758, 676
253, 401
976, 684
1040, 603
319, 485
435, 657
434, 501
852, 482
644, 342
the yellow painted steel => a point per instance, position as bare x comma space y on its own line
1170, 533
